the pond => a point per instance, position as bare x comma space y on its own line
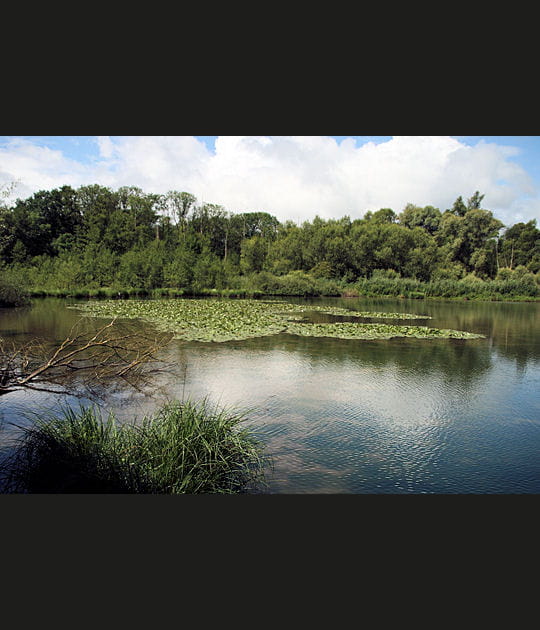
353, 416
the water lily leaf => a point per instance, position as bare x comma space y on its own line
221, 320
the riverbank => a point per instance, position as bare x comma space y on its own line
516, 287
410, 289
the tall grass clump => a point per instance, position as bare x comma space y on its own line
185, 448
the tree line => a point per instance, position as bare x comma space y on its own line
94, 236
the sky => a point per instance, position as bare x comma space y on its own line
291, 177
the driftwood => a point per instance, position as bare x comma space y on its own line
84, 360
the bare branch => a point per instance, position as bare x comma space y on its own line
114, 351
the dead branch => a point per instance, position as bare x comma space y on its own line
84, 359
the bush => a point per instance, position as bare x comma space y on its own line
450, 271
11, 291
385, 273
504, 273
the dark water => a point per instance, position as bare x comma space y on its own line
342, 416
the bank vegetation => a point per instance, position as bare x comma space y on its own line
97, 242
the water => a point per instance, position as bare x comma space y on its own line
340, 416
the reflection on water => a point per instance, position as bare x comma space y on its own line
351, 416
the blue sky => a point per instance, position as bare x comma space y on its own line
85, 148
292, 177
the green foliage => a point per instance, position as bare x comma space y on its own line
323, 269
459, 208
384, 215
470, 287
253, 254
448, 271
504, 274
208, 272
70, 240
520, 245
427, 218
349, 330
185, 448
385, 273
297, 283
143, 266
12, 292
178, 270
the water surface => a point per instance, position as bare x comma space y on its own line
353, 416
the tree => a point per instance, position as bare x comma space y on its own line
421, 256
258, 223
99, 265
384, 215
178, 271
473, 203
520, 245
253, 254
11, 291
208, 271
459, 208
7, 237
210, 220
37, 221
469, 237
99, 206
177, 205
141, 210
479, 230
428, 218
287, 252
338, 256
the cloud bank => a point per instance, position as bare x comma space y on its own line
291, 177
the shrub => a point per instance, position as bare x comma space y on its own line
385, 273
297, 283
11, 291
504, 273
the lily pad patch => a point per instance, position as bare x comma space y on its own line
210, 320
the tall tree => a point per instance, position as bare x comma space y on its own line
427, 218
474, 202
459, 208
39, 220
520, 245
177, 205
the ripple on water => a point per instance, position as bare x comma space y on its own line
408, 416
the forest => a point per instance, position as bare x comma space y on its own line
96, 241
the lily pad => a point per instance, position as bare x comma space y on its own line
348, 330
210, 320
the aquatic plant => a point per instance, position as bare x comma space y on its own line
220, 320
349, 330
338, 310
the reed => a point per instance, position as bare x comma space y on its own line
185, 448
466, 288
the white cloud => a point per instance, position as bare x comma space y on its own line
36, 168
292, 177
106, 146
